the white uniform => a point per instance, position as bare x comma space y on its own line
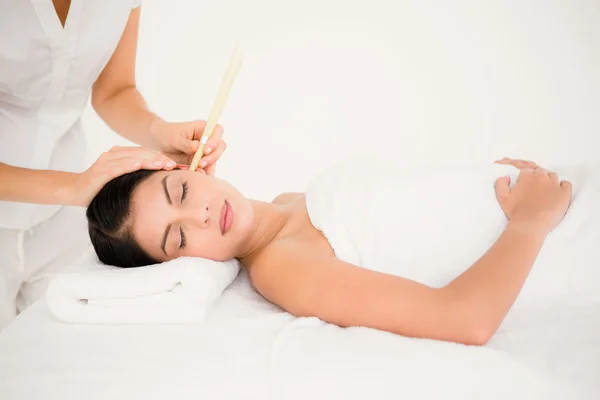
46, 76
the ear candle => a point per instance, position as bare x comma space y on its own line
234, 66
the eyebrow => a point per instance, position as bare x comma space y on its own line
168, 229
164, 185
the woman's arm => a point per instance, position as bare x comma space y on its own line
468, 310
36, 186
115, 96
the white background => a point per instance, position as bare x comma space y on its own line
420, 81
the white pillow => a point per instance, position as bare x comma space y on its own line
177, 291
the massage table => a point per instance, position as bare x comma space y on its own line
250, 349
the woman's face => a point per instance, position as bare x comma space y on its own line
184, 213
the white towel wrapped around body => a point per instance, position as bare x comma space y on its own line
175, 292
431, 225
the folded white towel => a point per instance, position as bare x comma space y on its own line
175, 292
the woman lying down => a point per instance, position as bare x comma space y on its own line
433, 254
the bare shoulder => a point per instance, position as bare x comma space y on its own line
285, 198
283, 273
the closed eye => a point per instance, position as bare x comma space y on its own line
183, 241
184, 190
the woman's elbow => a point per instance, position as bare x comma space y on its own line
477, 336
474, 327
459, 330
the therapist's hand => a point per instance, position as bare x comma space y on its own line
111, 164
180, 140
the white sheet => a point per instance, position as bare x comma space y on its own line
553, 355
249, 349
227, 357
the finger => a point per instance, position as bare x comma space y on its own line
140, 153
152, 164
125, 161
214, 141
526, 164
189, 147
116, 168
519, 164
116, 149
182, 136
566, 185
117, 152
214, 156
205, 164
147, 160
503, 187
160, 161
541, 171
526, 173
553, 176
198, 129
210, 170
186, 143
151, 160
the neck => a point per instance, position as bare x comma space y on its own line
269, 220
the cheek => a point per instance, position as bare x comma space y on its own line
243, 215
211, 248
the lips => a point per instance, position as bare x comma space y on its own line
226, 218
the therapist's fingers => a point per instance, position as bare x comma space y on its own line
209, 162
120, 150
147, 158
214, 141
188, 141
132, 151
147, 161
116, 168
185, 136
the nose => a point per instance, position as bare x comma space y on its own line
199, 215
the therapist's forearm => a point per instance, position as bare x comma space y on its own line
127, 113
36, 186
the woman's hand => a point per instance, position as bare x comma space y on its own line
520, 164
538, 201
180, 140
111, 164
